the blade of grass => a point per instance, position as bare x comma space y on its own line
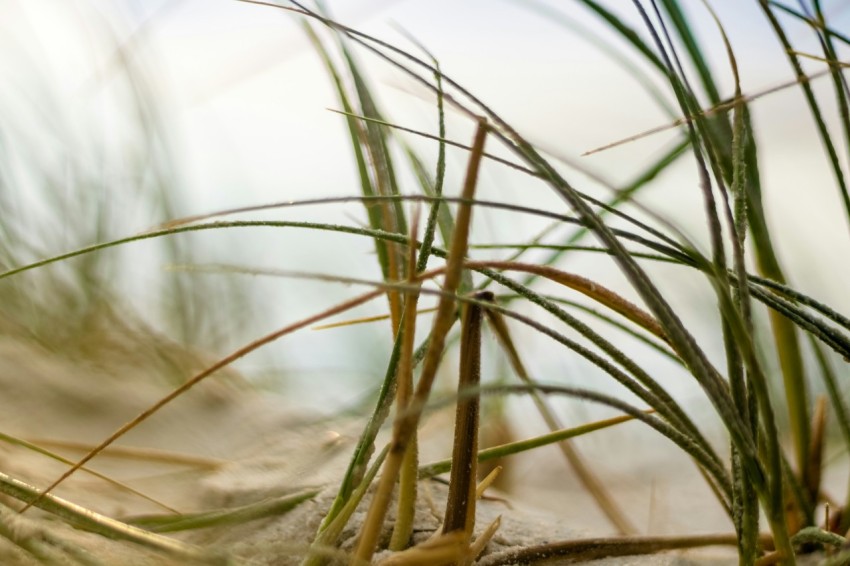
272, 507
519, 446
405, 516
91, 521
376, 144
437, 214
659, 347
745, 497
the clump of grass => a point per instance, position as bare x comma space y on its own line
752, 475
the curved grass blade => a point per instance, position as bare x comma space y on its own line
272, 507
89, 520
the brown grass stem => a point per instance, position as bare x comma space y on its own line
460, 505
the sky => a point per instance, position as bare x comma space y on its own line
243, 106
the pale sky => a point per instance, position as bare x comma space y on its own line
245, 98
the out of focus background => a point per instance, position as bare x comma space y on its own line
116, 116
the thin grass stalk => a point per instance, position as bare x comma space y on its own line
519, 446
115, 483
371, 233
795, 297
660, 347
828, 335
460, 504
675, 250
408, 477
91, 521
745, 498
435, 190
830, 31
405, 424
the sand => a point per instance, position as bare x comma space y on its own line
245, 447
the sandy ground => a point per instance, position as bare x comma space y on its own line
250, 447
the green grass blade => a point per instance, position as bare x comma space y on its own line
520, 446
272, 507
91, 521
355, 135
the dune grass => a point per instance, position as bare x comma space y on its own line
771, 490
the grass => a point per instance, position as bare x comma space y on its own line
780, 346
